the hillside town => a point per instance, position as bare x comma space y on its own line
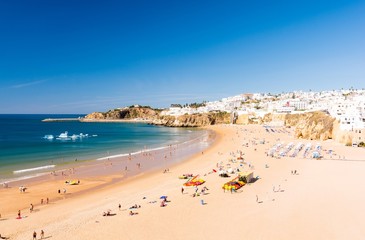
346, 106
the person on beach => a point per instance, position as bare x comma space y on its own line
34, 235
1, 237
42, 234
182, 190
47, 201
42, 201
19, 215
31, 208
131, 213
120, 207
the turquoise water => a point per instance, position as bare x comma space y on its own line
25, 151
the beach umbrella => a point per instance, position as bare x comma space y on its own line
163, 197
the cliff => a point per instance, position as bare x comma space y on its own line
154, 117
125, 114
313, 126
194, 120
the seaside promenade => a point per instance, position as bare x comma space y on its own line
322, 200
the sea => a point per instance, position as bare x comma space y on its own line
27, 150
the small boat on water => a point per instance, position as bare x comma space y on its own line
74, 137
63, 136
48, 137
83, 135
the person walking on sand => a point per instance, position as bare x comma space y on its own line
31, 208
119, 206
34, 235
1, 237
19, 215
182, 190
257, 198
42, 234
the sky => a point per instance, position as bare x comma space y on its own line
86, 56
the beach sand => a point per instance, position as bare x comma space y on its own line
324, 200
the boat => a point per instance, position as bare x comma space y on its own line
48, 137
63, 136
74, 137
195, 181
233, 185
83, 135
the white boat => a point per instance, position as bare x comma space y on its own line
74, 137
63, 136
48, 137
83, 135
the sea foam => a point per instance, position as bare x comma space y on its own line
33, 169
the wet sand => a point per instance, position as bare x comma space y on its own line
323, 200
97, 174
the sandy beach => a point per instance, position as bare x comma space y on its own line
323, 200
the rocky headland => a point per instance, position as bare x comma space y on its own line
153, 116
311, 126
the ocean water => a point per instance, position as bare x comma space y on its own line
24, 151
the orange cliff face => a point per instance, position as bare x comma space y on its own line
153, 115
126, 113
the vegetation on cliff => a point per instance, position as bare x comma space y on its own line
126, 113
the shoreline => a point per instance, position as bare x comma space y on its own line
82, 119
278, 198
134, 120
51, 165
109, 170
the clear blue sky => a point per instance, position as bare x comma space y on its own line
85, 56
